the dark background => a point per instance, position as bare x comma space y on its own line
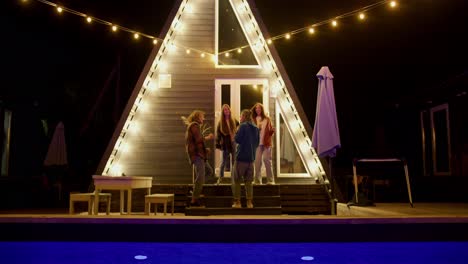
386, 70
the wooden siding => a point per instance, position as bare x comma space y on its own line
158, 149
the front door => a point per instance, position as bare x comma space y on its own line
239, 94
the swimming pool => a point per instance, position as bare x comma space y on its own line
180, 252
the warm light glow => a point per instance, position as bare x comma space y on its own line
239, 50
362, 16
226, 54
187, 51
311, 30
155, 41
134, 127
172, 47
189, 8
136, 36
116, 169
202, 55
255, 86
334, 23
114, 28
269, 41
162, 66
393, 4
288, 36
59, 9
89, 19
125, 147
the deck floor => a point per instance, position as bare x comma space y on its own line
458, 212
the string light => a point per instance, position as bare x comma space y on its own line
333, 22
89, 19
189, 8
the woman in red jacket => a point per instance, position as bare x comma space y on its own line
263, 153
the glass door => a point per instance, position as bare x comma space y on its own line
239, 94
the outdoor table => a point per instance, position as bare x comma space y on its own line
405, 167
121, 183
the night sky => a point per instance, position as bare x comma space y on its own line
386, 69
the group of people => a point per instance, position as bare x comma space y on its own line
247, 144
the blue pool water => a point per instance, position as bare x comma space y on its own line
149, 252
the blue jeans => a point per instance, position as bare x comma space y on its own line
225, 163
202, 171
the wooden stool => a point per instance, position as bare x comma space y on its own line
89, 197
160, 198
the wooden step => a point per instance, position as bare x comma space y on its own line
226, 201
203, 211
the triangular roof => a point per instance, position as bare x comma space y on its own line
195, 38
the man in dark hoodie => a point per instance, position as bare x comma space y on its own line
247, 139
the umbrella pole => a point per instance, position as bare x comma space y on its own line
332, 186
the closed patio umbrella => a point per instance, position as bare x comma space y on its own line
56, 158
57, 152
326, 135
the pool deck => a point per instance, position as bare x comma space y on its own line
379, 213
381, 222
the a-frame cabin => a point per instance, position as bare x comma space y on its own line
212, 52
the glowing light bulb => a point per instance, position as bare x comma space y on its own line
155, 41
59, 9
288, 36
226, 54
202, 55
239, 50
269, 41
311, 30
89, 19
393, 4
187, 51
334, 23
362, 16
114, 28
136, 36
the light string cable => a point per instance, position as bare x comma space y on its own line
115, 27
137, 34
311, 28
90, 19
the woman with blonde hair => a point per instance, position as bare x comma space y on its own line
263, 152
197, 152
226, 129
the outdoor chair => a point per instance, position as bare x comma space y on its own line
89, 197
159, 198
